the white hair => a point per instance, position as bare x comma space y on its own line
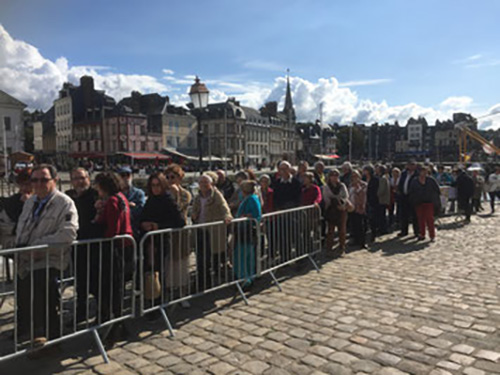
206, 177
284, 162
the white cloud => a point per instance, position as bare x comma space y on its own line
492, 119
35, 80
468, 59
367, 82
263, 65
168, 71
457, 103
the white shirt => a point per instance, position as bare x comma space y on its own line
407, 181
494, 182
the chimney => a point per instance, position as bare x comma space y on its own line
87, 87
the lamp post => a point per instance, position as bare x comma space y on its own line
199, 98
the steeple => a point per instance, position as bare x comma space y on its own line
288, 109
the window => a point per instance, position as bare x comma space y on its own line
143, 146
6, 121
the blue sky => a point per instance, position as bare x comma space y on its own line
397, 52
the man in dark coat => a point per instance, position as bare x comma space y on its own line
287, 189
225, 186
465, 191
407, 209
84, 197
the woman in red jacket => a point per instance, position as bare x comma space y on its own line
267, 194
311, 193
113, 213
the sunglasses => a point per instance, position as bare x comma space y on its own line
172, 177
43, 180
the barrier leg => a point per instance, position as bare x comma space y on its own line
238, 286
275, 280
100, 346
167, 322
313, 262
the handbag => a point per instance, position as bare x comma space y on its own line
152, 286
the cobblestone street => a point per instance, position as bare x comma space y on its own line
405, 307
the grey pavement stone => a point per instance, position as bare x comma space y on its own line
488, 355
391, 312
464, 349
221, 368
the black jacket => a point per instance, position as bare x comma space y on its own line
402, 180
465, 186
227, 189
85, 205
372, 192
162, 209
286, 194
425, 193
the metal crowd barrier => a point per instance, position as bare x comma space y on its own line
289, 236
180, 264
61, 292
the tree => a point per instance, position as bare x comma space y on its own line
358, 141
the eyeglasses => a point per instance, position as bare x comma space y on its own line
172, 177
43, 180
125, 174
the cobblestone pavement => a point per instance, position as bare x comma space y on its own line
404, 308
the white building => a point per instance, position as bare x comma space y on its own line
415, 136
11, 124
64, 119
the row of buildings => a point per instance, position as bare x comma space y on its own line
85, 123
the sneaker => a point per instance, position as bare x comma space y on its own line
420, 238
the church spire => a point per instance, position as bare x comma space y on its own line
288, 109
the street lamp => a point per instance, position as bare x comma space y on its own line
199, 98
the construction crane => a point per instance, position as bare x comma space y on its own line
465, 132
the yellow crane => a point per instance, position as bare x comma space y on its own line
465, 132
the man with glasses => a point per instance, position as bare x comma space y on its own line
49, 217
85, 198
135, 196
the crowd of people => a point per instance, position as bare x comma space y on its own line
359, 204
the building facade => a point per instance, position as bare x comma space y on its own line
44, 133
117, 134
223, 127
257, 137
11, 122
179, 130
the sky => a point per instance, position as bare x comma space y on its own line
364, 61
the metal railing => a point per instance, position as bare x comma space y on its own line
61, 292
180, 264
289, 236
56, 293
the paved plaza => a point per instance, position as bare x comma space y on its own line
405, 307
